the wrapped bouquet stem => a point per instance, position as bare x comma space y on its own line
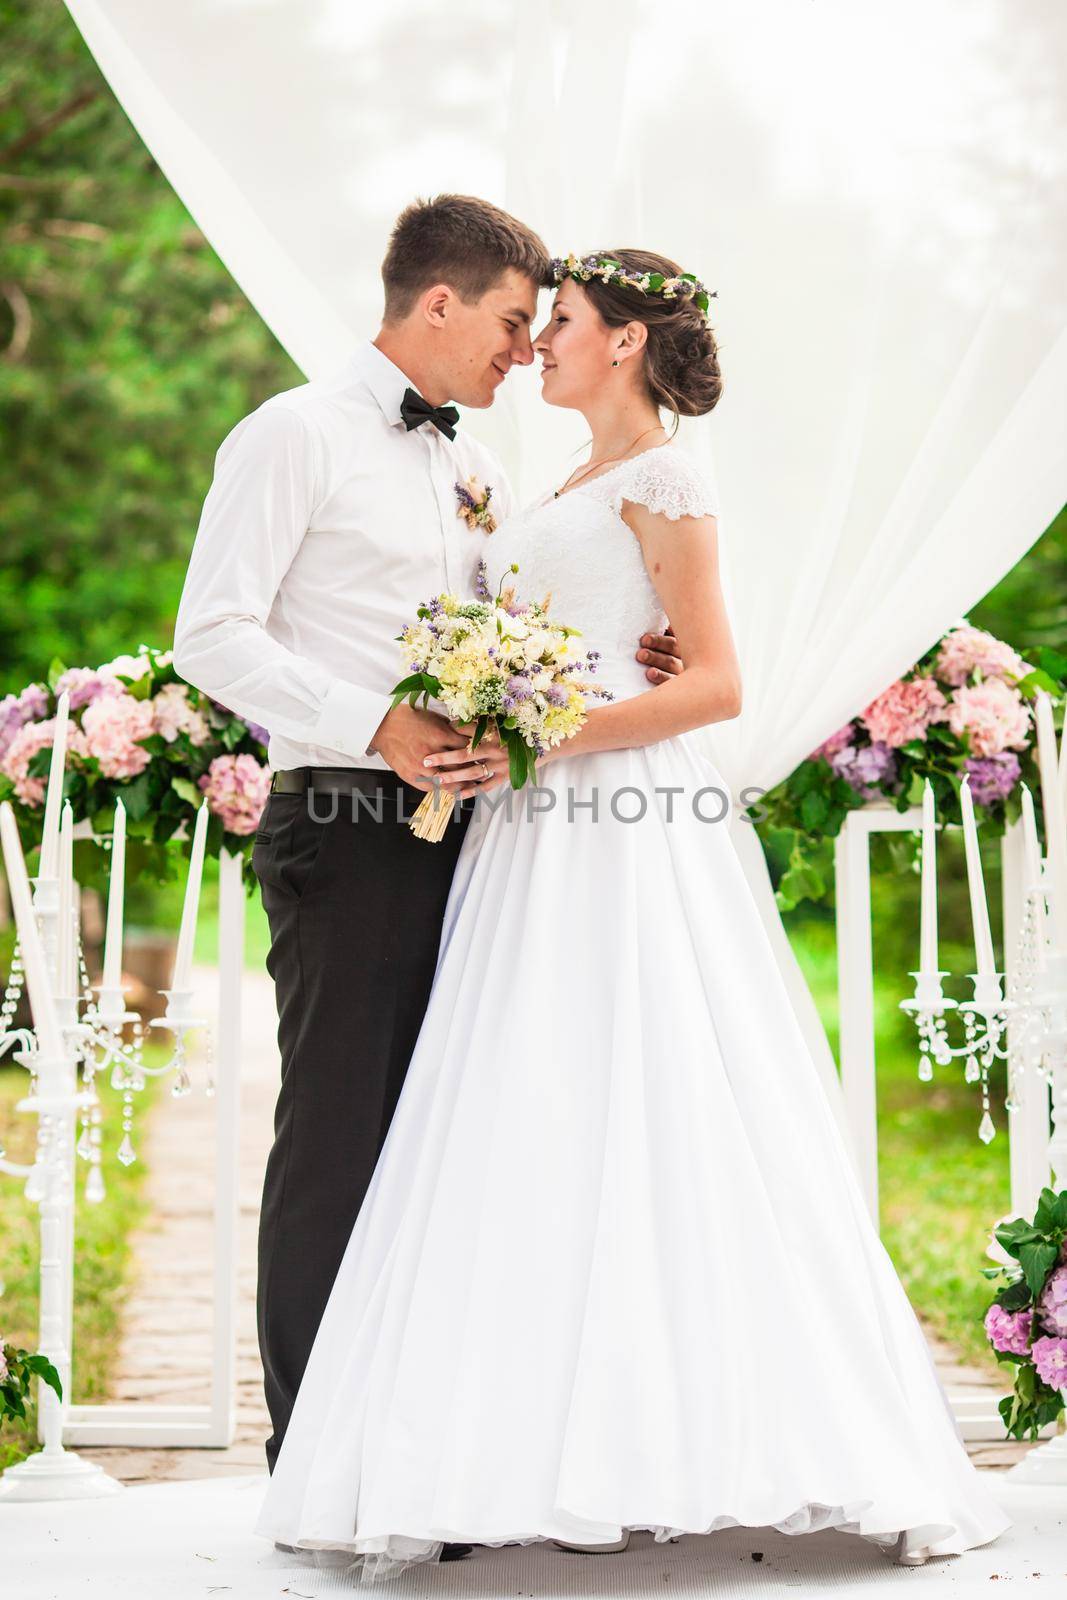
495, 662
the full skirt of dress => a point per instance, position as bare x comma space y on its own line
614, 1269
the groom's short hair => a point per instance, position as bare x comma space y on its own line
459, 240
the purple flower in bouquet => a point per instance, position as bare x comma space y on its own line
33, 702
518, 689
1009, 1331
84, 685
965, 648
837, 741
868, 768
994, 716
992, 777
1052, 1306
11, 720
113, 727
237, 788
904, 711
3, 1362
259, 733
1050, 1360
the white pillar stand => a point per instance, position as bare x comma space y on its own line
1028, 1132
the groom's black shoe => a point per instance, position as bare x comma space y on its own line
454, 1552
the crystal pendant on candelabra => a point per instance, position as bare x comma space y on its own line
926, 1069
94, 1185
84, 1146
987, 1129
35, 1187
126, 1153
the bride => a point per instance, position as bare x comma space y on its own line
614, 1271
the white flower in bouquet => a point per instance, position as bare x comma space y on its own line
494, 661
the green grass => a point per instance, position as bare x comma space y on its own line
940, 1187
101, 1236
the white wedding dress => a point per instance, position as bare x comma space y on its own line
614, 1269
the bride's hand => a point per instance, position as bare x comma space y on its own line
463, 772
657, 657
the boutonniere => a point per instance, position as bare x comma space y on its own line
473, 505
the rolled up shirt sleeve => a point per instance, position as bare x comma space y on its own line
255, 517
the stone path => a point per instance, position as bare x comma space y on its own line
165, 1346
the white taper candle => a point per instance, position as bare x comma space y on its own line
33, 962
116, 890
1055, 823
53, 794
183, 961
928, 913
983, 939
65, 963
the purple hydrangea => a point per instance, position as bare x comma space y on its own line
1052, 1305
1009, 1331
1050, 1360
257, 731
992, 777
84, 685
517, 688
556, 695
33, 702
867, 768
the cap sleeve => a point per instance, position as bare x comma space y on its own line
667, 483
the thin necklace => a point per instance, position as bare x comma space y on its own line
622, 454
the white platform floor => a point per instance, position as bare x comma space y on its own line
181, 1541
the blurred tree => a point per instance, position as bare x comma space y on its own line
126, 355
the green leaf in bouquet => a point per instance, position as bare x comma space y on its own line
43, 1369
479, 732
1051, 1211
517, 761
141, 688
1037, 1261
187, 790
56, 669
137, 797
814, 810
1014, 1296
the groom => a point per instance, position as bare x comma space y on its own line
333, 513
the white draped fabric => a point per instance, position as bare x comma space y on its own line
871, 190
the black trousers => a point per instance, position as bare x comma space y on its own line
355, 906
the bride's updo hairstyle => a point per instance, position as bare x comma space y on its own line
681, 355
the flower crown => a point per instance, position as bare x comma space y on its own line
684, 287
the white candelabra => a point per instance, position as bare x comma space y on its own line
64, 1040
1035, 1005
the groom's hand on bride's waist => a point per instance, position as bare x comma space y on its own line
422, 747
656, 655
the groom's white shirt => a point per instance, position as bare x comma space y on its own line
326, 524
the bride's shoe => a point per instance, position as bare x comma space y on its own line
595, 1549
909, 1558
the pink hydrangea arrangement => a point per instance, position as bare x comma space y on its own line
135, 730
964, 709
1026, 1325
237, 788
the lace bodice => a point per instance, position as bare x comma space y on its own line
579, 549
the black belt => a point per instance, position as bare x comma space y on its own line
340, 780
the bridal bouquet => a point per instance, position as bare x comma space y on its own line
1027, 1322
496, 662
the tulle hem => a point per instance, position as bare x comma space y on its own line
377, 1559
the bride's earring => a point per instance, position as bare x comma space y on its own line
614, 363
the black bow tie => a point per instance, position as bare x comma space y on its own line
414, 410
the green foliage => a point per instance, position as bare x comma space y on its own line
1035, 1248
127, 354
